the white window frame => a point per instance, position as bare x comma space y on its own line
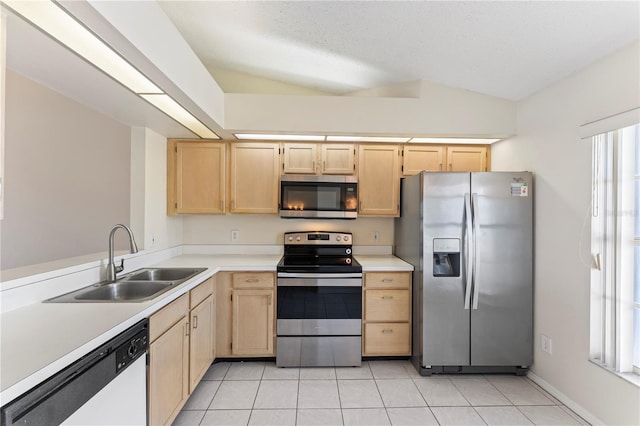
613, 244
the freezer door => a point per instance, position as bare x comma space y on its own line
502, 302
445, 339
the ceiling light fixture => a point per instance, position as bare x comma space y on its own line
348, 138
275, 137
54, 21
469, 141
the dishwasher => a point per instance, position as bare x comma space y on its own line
108, 386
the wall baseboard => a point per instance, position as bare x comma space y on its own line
568, 402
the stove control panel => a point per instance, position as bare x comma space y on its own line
318, 238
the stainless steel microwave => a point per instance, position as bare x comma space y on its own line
318, 197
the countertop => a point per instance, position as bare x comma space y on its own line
41, 339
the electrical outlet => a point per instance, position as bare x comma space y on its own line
375, 236
545, 344
235, 235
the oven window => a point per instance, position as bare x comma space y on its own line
314, 302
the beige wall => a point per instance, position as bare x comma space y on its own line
548, 144
66, 176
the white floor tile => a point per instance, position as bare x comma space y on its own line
478, 391
415, 416
202, 396
506, 416
273, 417
548, 415
245, 371
271, 372
362, 372
365, 417
217, 371
519, 390
189, 418
575, 416
400, 393
318, 394
457, 416
317, 373
359, 394
277, 394
389, 369
235, 395
226, 418
439, 391
319, 417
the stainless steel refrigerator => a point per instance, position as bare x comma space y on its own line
469, 237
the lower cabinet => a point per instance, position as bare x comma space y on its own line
246, 317
181, 350
386, 314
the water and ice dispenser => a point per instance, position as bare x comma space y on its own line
446, 257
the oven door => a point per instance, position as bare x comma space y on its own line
319, 320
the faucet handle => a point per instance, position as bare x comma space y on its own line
121, 267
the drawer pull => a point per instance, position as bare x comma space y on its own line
387, 331
387, 280
251, 280
387, 297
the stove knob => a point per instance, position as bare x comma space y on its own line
290, 238
338, 238
298, 238
346, 238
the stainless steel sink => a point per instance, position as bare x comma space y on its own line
137, 286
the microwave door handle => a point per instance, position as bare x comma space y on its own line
469, 252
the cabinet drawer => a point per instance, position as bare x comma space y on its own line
387, 305
252, 279
387, 280
201, 292
162, 320
387, 339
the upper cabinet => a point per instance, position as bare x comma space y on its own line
313, 158
379, 180
195, 177
254, 177
467, 158
416, 158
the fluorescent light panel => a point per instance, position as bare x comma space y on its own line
470, 141
173, 109
272, 137
347, 138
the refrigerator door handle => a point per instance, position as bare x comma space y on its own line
469, 251
476, 234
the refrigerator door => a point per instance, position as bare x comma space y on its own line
502, 300
445, 320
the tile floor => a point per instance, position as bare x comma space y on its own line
378, 393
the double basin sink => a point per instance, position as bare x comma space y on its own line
137, 286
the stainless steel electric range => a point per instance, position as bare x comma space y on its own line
319, 315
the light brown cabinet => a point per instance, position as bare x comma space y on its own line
386, 314
467, 158
195, 177
254, 177
416, 158
246, 320
316, 158
379, 180
181, 350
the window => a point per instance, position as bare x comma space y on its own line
615, 245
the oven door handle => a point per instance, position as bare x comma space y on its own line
318, 275
319, 282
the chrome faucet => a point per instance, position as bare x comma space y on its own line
112, 269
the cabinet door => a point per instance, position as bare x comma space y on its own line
253, 314
424, 157
467, 158
199, 185
300, 158
379, 180
201, 341
168, 374
254, 177
338, 159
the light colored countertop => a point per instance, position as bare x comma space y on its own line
41, 339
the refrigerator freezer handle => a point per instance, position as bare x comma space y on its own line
469, 251
476, 264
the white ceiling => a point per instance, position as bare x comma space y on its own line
501, 48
